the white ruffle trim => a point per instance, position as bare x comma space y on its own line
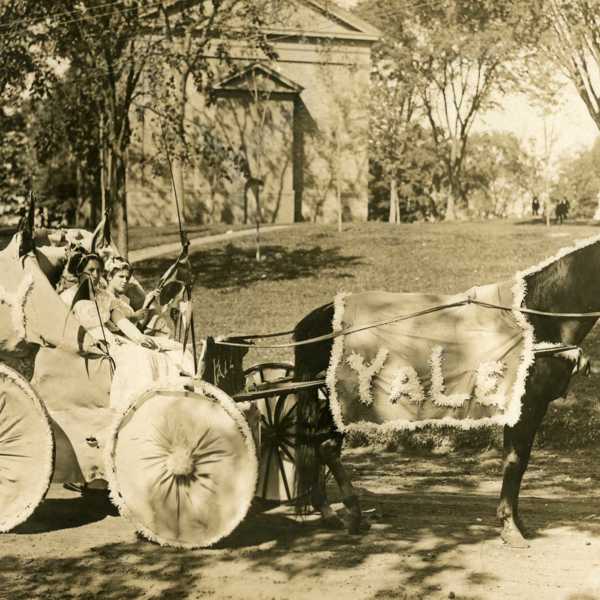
438, 395
10, 522
406, 385
486, 384
367, 372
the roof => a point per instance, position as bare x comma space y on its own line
264, 77
345, 17
346, 25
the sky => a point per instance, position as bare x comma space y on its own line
570, 125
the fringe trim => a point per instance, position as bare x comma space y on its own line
528, 356
337, 352
18, 308
406, 384
200, 387
33, 497
437, 383
366, 373
519, 290
578, 245
487, 382
447, 421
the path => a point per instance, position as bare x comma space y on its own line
434, 536
175, 247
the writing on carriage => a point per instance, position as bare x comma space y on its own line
406, 386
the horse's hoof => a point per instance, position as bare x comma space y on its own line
356, 526
513, 538
332, 522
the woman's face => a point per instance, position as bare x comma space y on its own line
93, 270
119, 281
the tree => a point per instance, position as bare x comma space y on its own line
393, 104
579, 181
127, 52
572, 42
498, 173
15, 162
464, 55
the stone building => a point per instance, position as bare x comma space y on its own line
300, 123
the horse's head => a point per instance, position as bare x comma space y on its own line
31, 311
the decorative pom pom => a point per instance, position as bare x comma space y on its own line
180, 463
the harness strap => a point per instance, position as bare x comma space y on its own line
330, 336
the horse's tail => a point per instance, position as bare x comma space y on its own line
314, 422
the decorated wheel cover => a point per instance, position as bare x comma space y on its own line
26, 449
182, 465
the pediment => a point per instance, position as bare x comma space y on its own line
318, 17
259, 78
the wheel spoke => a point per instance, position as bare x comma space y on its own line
279, 406
267, 474
284, 476
269, 411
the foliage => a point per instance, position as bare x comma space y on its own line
499, 175
572, 43
461, 55
579, 181
124, 55
15, 162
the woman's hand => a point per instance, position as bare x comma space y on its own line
140, 315
148, 342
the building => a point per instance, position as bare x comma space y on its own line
300, 124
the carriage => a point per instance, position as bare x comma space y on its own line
185, 456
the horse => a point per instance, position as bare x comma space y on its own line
566, 285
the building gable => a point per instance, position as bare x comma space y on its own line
320, 18
259, 78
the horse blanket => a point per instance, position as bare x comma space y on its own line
463, 365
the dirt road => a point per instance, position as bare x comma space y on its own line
433, 535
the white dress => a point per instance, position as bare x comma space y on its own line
137, 368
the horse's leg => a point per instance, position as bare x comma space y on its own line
518, 441
330, 454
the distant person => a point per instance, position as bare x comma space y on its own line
535, 206
562, 209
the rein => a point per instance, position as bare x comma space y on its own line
350, 330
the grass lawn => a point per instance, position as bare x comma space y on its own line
306, 266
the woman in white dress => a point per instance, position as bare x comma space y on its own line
141, 360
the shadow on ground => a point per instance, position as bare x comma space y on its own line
418, 536
55, 514
236, 266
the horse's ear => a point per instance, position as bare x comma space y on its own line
101, 236
26, 228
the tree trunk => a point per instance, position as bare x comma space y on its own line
394, 205
117, 194
453, 190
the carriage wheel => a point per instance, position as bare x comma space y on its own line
277, 434
26, 449
182, 465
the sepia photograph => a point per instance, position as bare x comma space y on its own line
298, 299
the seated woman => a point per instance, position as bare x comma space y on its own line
110, 312
81, 266
109, 316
